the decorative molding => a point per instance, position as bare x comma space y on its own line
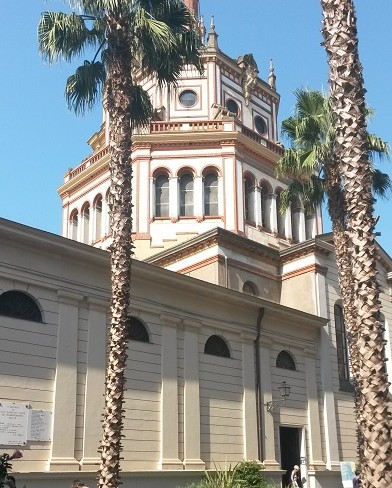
191, 324
170, 320
198, 265
311, 268
68, 297
98, 303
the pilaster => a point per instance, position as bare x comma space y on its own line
169, 395
192, 459
249, 398
95, 381
267, 421
64, 405
315, 449
329, 410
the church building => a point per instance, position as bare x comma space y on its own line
237, 344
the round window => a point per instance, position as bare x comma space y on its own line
232, 106
188, 98
260, 125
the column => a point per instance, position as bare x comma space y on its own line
192, 459
288, 225
169, 395
221, 198
273, 213
267, 420
301, 225
153, 198
315, 449
64, 405
198, 196
258, 206
249, 399
173, 197
95, 381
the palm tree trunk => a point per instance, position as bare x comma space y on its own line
351, 152
118, 103
337, 212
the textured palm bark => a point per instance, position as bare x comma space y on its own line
118, 102
351, 152
337, 212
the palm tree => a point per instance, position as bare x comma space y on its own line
312, 137
350, 160
157, 37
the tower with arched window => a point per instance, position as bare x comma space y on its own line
207, 163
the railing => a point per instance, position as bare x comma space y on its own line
86, 163
195, 126
208, 125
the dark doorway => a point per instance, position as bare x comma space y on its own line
290, 452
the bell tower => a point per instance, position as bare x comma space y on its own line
193, 6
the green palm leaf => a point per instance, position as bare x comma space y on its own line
65, 36
83, 88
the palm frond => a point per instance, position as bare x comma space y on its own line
83, 88
141, 108
381, 183
64, 36
378, 147
310, 193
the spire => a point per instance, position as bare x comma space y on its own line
193, 6
212, 38
272, 76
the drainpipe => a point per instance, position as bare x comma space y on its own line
259, 400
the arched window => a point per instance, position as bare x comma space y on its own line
86, 223
162, 196
249, 199
250, 288
20, 306
342, 350
280, 217
136, 330
296, 208
266, 191
216, 346
186, 195
98, 217
285, 360
211, 194
73, 225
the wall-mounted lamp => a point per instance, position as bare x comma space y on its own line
285, 393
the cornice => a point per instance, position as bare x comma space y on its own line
215, 237
312, 268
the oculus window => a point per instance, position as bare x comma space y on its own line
260, 125
188, 98
233, 107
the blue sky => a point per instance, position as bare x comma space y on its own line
41, 139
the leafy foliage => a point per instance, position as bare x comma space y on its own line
160, 38
311, 135
247, 474
6, 465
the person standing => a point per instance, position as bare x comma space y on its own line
357, 480
294, 477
